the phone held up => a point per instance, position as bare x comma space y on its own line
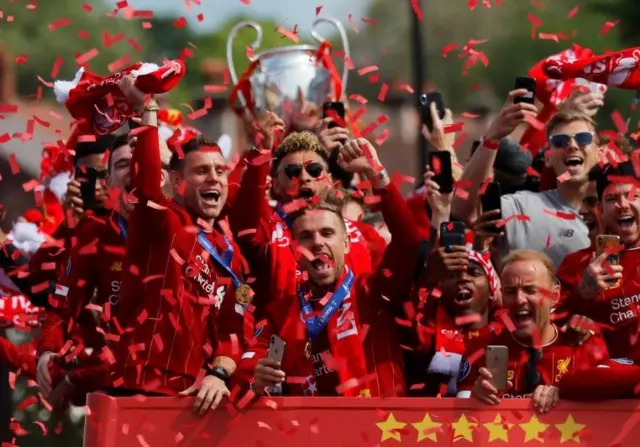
336, 111
453, 234
528, 84
491, 200
609, 243
441, 164
276, 349
497, 363
88, 178
425, 108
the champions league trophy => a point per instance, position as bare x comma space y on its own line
283, 79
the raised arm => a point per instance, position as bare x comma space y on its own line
480, 166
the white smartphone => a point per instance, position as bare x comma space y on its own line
276, 348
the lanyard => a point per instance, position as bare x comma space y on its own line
122, 225
316, 324
223, 261
285, 218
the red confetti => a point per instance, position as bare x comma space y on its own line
86, 57
619, 122
59, 24
573, 12
608, 26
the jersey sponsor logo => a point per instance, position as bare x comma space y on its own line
114, 293
200, 272
517, 396
623, 361
622, 308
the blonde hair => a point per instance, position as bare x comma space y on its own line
530, 255
566, 117
298, 142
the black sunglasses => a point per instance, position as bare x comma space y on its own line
314, 169
563, 140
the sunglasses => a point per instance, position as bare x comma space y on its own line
563, 140
314, 169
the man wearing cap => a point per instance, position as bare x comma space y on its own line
512, 166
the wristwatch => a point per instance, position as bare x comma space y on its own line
219, 372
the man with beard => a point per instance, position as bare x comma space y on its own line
467, 286
539, 354
339, 326
597, 286
183, 295
573, 153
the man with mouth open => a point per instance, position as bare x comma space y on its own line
339, 325
547, 221
183, 295
539, 354
605, 288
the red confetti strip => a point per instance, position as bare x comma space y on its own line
86, 57
608, 26
573, 12
59, 24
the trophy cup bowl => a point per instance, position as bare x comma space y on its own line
286, 78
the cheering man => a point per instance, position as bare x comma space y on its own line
183, 298
339, 325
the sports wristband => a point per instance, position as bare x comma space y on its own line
489, 144
219, 372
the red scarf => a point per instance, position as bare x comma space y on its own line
348, 354
100, 100
620, 69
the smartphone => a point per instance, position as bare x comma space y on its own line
425, 107
88, 178
492, 200
453, 233
497, 364
527, 84
276, 349
606, 242
441, 164
333, 109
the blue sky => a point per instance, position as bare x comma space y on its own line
288, 12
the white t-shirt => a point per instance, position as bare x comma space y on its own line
552, 227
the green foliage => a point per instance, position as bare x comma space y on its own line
29, 34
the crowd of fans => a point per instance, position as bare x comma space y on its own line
299, 269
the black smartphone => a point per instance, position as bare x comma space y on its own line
526, 84
452, 233
336, 111
492, 200
133, 125
88, 178
425, 107
441, 164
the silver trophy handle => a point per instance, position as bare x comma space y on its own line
255, 45
345, 45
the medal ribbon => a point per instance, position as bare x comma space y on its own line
280, 212
122, 225
316, 324
223, 261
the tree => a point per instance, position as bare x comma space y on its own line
39, 35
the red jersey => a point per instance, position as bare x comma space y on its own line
557, 359
21, 357
177, 306
368, 313
614, 309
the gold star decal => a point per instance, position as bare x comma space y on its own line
570, 430
498, 429
533, 429
463, 429
427, 428
390, 428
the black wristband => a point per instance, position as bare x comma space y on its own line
219, 372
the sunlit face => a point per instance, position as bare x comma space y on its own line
621, 211
528, 293
119, 179
301, 174
573, 156
203, 180
466, 293
588, 209
323, 234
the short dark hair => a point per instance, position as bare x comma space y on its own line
177, 160
100, 146
624, 169
331, 200
298, 142
118, 142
